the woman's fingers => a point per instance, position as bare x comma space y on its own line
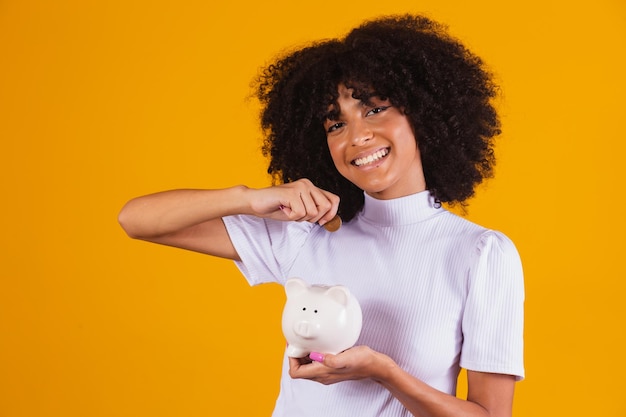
330, 216
305, 202
296, 201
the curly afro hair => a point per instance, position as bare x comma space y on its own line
444, 89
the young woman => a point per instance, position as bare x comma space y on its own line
380, 128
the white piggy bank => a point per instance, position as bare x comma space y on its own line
316, 318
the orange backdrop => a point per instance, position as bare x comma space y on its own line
101, 101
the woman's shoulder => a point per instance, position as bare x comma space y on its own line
479, 236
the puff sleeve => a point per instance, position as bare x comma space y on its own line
493, 317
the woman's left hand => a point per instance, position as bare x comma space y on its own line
359, 362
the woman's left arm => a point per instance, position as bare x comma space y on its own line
489, 395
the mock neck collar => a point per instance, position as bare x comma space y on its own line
410, 209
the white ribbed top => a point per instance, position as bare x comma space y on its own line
437, 292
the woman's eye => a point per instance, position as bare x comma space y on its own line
335, 126
377, 110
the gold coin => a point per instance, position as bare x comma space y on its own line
333, 225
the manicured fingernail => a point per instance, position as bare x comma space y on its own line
317, 357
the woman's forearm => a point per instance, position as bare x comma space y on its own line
490, 395
167, 212
424, 401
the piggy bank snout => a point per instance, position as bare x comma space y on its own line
306, 329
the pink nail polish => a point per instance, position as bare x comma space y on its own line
317, 357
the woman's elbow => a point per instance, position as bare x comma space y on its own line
128, 220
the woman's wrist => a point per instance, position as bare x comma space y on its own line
385, 369
239, 198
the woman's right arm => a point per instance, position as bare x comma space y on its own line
192, 219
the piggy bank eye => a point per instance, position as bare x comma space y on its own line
315, 311
303, 308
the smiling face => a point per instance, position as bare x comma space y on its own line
373, 146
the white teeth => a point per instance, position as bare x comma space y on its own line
371, 158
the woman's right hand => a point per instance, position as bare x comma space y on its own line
298, 201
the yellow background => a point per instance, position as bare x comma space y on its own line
101, 101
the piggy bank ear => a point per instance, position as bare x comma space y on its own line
338, 293
295, 286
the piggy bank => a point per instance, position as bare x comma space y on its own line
316, 318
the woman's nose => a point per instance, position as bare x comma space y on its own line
361, 132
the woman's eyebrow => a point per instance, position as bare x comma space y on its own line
369, 100
331, 114
334, 114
